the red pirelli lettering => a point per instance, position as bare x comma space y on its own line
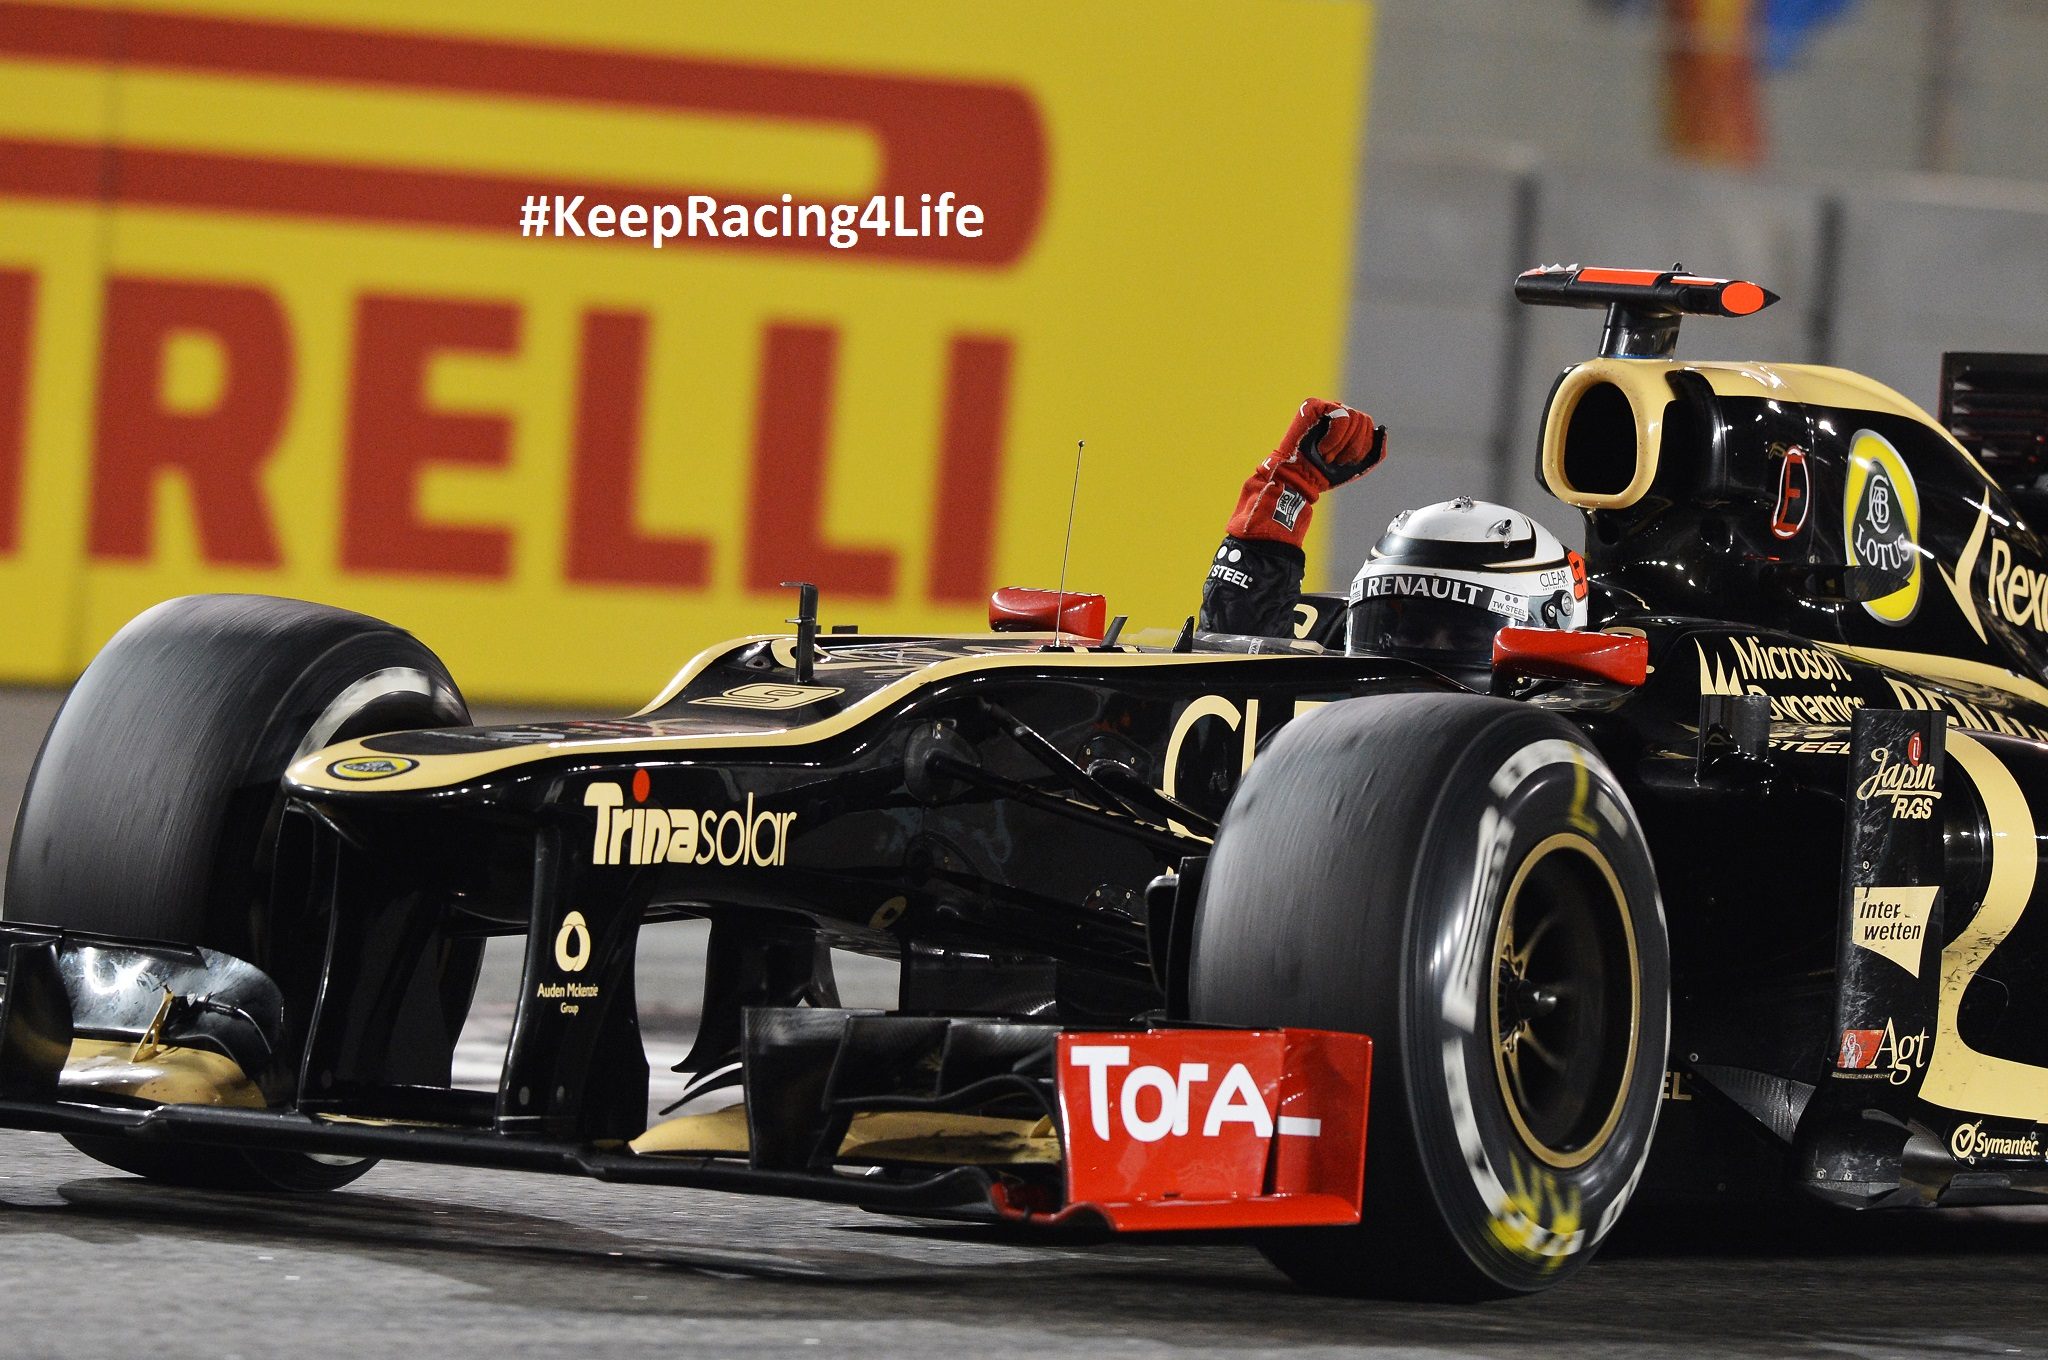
17, 307
984, 141
394, 437
220, 451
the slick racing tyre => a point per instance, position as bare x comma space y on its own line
154, 808
1461, 879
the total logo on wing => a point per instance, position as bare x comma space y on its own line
1152, 1102
730, 837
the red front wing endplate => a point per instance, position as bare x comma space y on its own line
1213, 1128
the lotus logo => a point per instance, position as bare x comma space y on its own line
371, 767
1881, 524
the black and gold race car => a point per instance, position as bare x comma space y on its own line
1181, 918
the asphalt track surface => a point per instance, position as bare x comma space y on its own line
446, 1263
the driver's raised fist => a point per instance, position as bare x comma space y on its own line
1326, 444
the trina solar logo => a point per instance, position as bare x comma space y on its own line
652, 835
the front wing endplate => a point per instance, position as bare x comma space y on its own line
1202, 1129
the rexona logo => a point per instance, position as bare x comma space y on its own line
1969, 1142
1153, 1102
1882, 1053
1908, 783
652, 835
1881, 524
371, 767
2013, 591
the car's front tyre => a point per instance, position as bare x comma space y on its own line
154, 808
1462, 879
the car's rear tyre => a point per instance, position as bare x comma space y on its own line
154, 806
1462, 879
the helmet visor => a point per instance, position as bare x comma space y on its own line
1441, 634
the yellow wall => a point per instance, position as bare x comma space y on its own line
270, 238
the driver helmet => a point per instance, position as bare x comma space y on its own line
1446, 578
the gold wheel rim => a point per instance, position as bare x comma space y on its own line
1510, 961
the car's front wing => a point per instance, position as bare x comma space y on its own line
1146, 1129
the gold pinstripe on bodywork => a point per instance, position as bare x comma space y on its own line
441, 771
1959, 1076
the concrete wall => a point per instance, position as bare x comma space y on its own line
1580, 78
1555, 158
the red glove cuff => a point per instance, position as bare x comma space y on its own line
1276, 504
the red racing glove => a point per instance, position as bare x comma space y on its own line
1327, 445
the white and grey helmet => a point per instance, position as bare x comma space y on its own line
1446, 578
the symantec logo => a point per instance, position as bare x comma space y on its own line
1970, 1141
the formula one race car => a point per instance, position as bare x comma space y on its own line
1179, 919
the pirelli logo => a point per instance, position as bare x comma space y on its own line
324, 361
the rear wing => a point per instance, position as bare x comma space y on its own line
1643, 305
1996, 405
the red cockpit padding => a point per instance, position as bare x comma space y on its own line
1021, 609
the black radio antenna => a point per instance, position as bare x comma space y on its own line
1059, 606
